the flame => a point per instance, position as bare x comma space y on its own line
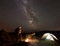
30, 40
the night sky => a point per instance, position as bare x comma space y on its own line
31, 14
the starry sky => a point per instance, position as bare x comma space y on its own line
31, 14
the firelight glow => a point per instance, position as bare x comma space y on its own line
31, 40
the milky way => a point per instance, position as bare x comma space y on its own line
31, 14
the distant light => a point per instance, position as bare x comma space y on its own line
49, 36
